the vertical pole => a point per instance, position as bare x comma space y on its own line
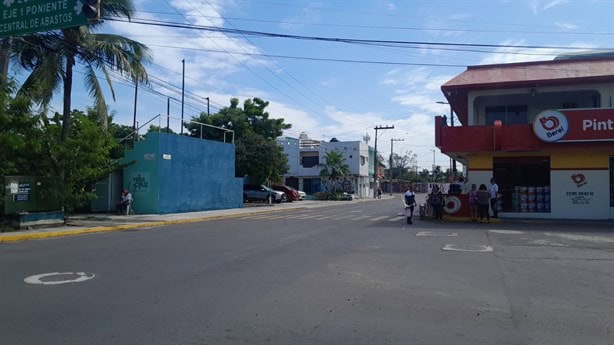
452, 124
182, 92
375, 164
168, 114
136, 93
390, 166
208, 106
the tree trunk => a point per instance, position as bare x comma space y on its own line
5, 49
66, 115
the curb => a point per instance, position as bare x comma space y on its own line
98, 229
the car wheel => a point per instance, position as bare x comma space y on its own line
282, 199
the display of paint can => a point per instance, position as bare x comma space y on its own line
547, 206
547, 189
531, 206
547, 197
531, 190
539, 197
524, 207
539, 190
523, 189
531, 197
524, 197
540, 206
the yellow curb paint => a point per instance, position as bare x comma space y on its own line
61, 233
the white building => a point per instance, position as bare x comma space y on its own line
306, 159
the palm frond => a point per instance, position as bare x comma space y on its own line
94, 89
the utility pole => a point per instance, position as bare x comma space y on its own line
451, 125
207, 98
392, 140
376, 161
136, 93
182, 92
168, 114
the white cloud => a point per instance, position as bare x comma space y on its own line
391, 7
566, 26
308, 15
537, 6
554, 3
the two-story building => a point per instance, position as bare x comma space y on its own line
544, 130
306, 158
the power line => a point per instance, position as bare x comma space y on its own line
396, 43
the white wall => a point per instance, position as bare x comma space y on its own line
590, 200
291, 149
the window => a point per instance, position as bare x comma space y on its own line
363, 160
509, 114
309, 162
524, 183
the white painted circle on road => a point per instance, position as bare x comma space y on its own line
436, 233
467, 248
57, 278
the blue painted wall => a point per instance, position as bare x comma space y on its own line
176, 174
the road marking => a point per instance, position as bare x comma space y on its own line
467, 248
396, 219
323, 217
343, 217
506, 232
361, 218
378, 218
37, 279
308, 216
586, 238
436, 234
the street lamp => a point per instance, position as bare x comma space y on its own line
452, 125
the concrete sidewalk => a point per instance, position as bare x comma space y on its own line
92, 223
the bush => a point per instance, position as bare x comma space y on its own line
338, 196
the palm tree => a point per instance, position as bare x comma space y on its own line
51, 57
334, 167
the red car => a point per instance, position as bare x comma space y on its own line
291, 194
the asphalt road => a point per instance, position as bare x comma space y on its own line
343, 274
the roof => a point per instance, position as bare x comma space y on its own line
525, 74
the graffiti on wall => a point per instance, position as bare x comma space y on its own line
139, 182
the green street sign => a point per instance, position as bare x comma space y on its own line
19, 17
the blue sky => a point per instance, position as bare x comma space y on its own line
341, 99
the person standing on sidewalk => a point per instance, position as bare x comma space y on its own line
494, 192
410, 203
437, 200
472, 197
483, 199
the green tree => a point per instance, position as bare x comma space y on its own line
78, 161
31, 145
259, 158
334, 167
154, 128
257, 153
425, 175
52, 56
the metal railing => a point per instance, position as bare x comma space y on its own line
135, 135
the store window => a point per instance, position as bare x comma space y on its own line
509, 114
524, 183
